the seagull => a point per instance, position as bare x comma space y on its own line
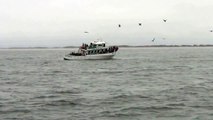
211, 30
119, 25
153, 39
86, 32
164, 20
139, 24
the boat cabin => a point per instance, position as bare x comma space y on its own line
97, 44
95, 47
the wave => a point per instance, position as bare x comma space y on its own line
45, 96
136, 111
14, 111
208, 107
2, 71
123, 99
123, 96
62, 103
176, 104
74, 91
45, 63
151, 108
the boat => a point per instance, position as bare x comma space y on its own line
96, 50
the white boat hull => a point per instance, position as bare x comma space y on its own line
91, 57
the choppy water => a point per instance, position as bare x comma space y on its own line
139, 84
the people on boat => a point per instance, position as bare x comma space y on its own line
84, 46
96, 47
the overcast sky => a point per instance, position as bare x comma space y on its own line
51, 23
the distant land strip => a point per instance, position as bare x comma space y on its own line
202, 45
125, 46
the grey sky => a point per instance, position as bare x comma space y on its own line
29, 23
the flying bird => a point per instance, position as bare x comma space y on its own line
153, 39
119, 25
86, 32
164, 20
139, 24
211, 30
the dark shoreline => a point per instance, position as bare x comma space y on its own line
123, 46
167, 46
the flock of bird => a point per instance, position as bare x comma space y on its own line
140, 24
164, 20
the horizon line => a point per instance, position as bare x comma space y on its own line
183, 45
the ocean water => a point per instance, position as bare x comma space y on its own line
138, 84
